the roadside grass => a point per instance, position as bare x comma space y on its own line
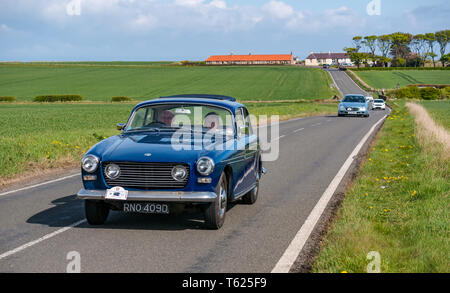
390, 79
397, 206
100, 82
38, 137
440, 111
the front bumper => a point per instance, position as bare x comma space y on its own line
154, 196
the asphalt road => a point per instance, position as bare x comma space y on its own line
345, 83
253, 239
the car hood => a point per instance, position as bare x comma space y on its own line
152, 147
351, 105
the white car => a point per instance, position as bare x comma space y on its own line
378, 104
369, 99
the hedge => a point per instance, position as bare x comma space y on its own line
58, 98
399, 68
8, 99
413, 92
120, 99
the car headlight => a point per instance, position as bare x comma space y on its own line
112, 171
363, 108
89, 163
179, 173
205, 166
342, 108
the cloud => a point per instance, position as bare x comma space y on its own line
278, 9
189, 2
219, 4
4, 28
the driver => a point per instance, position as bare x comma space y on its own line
167, 117
211, 121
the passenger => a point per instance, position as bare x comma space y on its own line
211, 121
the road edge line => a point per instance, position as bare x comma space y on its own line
45, 237
290, 255
39, 184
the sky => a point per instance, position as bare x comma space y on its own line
151, 30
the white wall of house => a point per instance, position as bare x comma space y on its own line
318, 62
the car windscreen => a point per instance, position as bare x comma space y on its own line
379, 101
354, 99
182, 116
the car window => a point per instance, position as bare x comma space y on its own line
240, 122
379, 101
183, 115
248, 123
354, 99
141, 118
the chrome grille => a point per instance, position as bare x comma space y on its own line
146, 176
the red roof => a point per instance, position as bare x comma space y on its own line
328, 56
236, 58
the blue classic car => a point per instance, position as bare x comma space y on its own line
355, 105
196, 151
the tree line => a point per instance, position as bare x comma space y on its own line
400, 49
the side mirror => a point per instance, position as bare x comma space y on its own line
120, 126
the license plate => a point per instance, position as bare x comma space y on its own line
352, 113
146, 208
116, 193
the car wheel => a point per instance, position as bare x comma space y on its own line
215, 212
252, 196
96, 212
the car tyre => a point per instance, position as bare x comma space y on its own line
215, 211
96, 212
251, 196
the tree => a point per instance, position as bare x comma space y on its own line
400, 42
418, 45
384, 44
430, 38
357, 41
431, 55
442, 38
369, 42
445, 59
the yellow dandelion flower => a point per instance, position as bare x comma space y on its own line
344, 272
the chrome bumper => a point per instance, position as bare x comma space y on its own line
165, 196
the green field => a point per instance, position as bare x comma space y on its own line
390, 79
394, 207
440, 111
44, 136
101, 82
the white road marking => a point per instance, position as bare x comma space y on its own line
317, 124
45, 237
295, 247
298, 130
40, 184
335, 84
278, 138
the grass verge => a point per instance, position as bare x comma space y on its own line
394, 207
46, 136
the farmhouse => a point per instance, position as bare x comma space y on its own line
317, 59
250, 59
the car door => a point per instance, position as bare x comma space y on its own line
246, 153
251, 152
